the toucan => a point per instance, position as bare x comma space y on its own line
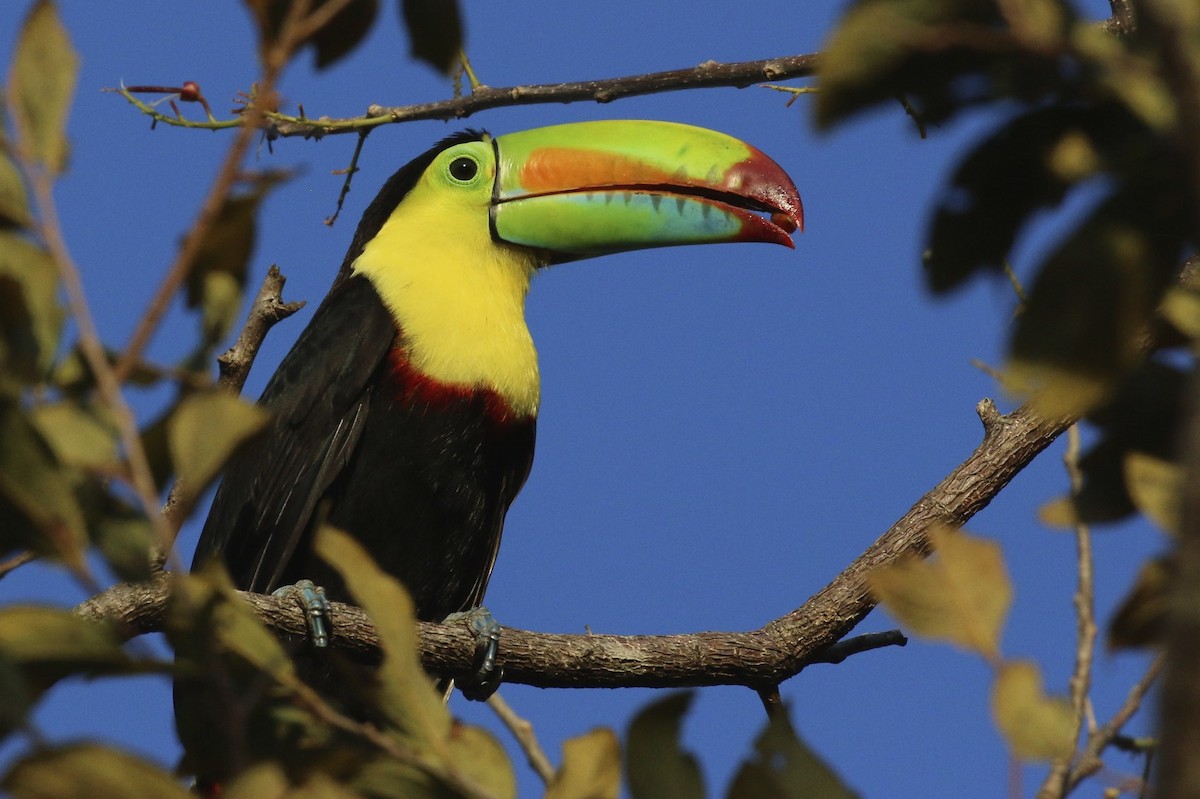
405, 413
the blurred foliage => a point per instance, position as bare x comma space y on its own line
1112, 323
1082, 111
961, 595
433, 26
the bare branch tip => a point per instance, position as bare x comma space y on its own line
988, 414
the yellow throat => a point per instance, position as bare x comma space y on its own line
458, 296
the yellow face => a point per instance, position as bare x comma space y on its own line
459, 296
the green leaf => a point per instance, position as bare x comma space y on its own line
235, 685
14, 202
1036, 726
435, 31
332, 41
348, 28
961, 596
218, 275
657, 767
126, 540
16, 697
30, 316
783, 767
1156, 487
89, 771
1141, 617
406, 693
477, 756
1181, 307
51, 643
1080, 332
204, 432
41, 83
268, 781
38, 508
1028, 165
77, 435
591, 767
886, 50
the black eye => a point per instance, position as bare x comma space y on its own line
463, 169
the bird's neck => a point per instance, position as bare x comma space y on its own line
459, 300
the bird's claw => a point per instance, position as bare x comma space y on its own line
312, 600
486, 678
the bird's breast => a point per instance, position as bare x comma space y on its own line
409, 387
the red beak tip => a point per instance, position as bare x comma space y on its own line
786, 221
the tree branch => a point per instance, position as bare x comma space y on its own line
760, 659
267, 309
710, 74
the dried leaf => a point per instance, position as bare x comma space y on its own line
435, 31
783, 767
41, 83
406, 693
1036, 726
90, 771
656, 765
591, 767
961, 596
203, 433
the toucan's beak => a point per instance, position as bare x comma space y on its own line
590, 188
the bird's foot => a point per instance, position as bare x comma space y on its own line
487, 676
312, 600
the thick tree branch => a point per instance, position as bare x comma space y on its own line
759, 659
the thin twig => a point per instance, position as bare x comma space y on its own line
350, 172
141, 478
267, 309
16, 561
1089, 762
522, 730
295, 30
1055, 784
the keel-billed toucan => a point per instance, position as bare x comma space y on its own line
405, 412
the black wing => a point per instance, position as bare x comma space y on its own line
319, 396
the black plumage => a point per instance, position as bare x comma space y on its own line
421, 474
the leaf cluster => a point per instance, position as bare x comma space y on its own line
962, 596
1090, 111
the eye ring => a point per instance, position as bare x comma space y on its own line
463, 169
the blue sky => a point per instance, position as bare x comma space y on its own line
722, 428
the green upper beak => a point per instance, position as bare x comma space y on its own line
590, 188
